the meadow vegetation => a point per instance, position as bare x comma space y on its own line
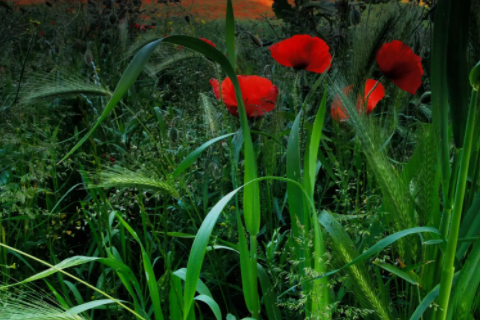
308, 160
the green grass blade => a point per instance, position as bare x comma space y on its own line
439, 87
150, 275
175, 298
295, 201
378, 247
89, 306
212, 304
467, 285
273, 312
313, 145
201, 287
128, 78
458, 68
399, 273
197, 253
196, 153
428, 299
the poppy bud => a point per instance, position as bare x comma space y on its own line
187, 18
48, 3
475, 77
256, 40
172, 134
113, 18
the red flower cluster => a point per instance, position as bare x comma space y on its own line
259, 95
303, 52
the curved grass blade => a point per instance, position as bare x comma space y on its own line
428, 299
199, 247
89, 305
212, 304
150, 275
195, 154
379, 246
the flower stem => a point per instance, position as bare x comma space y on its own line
448, 263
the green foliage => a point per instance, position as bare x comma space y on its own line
126, 196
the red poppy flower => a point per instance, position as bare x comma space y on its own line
374, 92
337, 110
209, 42
54, 23
136, 26
41, 33
398, 63
259, 95
303, 52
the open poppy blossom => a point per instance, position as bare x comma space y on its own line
259, 95
303, 52
399, 64
374, 92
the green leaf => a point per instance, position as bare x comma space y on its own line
428, 299
201, 287
212, 304
399, 273
378, 247
475, 77
269, 297
138, 63
458, 67
67, 263
175, 298
196, 153
89, 305
295, 200
313, 145
463, 300
150, 275
197, 253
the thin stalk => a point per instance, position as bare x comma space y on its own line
448, 264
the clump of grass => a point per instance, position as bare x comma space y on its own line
18, 305
55, 87
118, 177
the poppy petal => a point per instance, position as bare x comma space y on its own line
209, 42
374, 92
259, 95
403, 67
267, 103
337, 110
216, 88
302, 52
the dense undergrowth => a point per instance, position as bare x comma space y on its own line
145, 194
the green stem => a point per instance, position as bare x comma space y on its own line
448, 264
253, 275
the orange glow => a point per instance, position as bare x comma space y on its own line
205, 9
